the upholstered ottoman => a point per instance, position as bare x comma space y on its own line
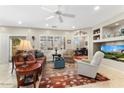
59, 62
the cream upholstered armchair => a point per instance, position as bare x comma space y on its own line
90, 69
68, 55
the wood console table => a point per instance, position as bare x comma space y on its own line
26, 71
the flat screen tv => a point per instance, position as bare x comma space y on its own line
112, 48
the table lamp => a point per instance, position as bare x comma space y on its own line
56, 48
25, 46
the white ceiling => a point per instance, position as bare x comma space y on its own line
35, 16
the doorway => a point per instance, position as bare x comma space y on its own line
14, 42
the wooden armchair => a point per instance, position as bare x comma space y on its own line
27, 75
23, 73
17, 61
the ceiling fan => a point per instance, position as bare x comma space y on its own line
57, 13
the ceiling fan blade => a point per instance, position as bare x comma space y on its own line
50, 17
47, 9
60, 18
68, 15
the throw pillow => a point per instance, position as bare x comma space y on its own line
38, 54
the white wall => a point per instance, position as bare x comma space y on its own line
110, 21
5, 32
4, 41
90, 43
38, 33
0, 48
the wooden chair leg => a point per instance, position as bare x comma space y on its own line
12, 68
34, 85
18, 86
40, 70
34, 79
18, 78
37, 76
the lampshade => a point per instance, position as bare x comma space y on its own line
25, 45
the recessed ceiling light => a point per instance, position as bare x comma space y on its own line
47, 25
96, 8
20, 22
73, 27
116, 24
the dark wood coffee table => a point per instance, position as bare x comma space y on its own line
31, 69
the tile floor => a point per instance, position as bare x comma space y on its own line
8, 80
116, 79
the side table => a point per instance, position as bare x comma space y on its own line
26, 71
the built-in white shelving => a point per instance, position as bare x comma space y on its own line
97, 34
111, 39
109, 34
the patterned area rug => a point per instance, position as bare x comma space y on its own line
66, 77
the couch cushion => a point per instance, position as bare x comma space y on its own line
38, 54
